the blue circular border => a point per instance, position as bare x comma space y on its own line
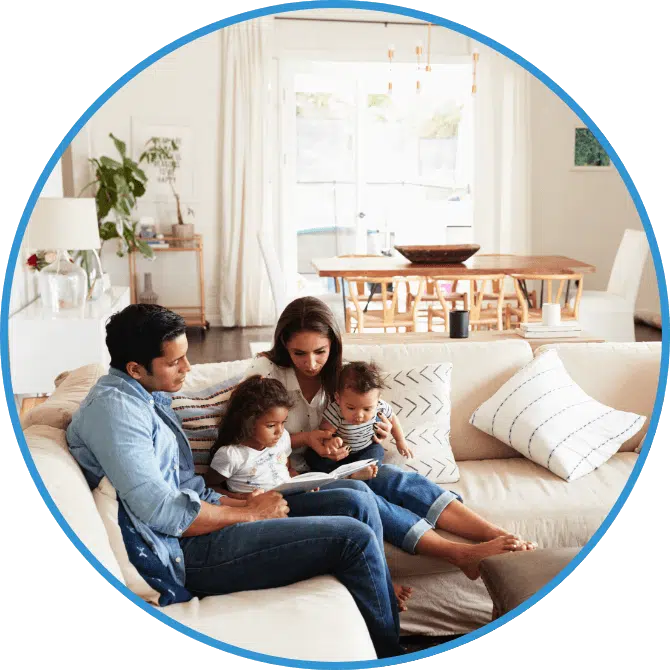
278, 9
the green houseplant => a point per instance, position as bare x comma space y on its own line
118, 184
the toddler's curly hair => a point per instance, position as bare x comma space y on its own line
360, 377
252, 398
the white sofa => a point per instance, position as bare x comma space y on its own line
495, 481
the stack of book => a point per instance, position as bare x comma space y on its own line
538, 331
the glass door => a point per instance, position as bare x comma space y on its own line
363, 169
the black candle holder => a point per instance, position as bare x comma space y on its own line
459, 322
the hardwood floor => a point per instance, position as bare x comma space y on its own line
232, 344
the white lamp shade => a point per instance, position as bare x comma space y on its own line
63, 223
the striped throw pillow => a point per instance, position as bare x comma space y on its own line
200, 413
546, 417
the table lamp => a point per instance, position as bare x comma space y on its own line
62, 224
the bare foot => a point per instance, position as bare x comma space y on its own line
402, 594
467, 556
366, 473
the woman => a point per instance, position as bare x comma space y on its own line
306, 357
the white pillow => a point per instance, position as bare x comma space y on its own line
547, 418
421, 400
108, 508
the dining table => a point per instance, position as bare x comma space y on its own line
478, 265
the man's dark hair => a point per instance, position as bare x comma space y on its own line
136, 334
360, 377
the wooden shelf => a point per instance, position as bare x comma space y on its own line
193, 315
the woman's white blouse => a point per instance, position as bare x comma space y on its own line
304, 416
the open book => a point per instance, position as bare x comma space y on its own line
312, 480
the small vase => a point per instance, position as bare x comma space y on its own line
183, 230
148, 296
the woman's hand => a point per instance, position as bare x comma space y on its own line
326, 445
382, 428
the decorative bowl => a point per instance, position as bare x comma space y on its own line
447, 254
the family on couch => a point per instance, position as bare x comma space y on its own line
200, 541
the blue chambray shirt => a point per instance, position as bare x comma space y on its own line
135, 439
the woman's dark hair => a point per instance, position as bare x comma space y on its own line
137, 333
360, 377
248, 402
312, 315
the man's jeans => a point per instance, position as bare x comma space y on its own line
334, 531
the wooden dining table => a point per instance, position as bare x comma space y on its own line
478, 265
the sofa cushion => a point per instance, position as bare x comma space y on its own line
420, 398
513, 578
255, 620
479, 369
626, 378
67, 486
549, 419
529, 501
107, 505
72, 388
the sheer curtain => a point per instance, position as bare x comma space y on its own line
246, 150
502, 155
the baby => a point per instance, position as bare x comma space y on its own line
352, 417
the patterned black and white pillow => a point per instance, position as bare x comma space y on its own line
421, 399
543, 414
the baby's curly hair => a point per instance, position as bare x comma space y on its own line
360, 377
252, 398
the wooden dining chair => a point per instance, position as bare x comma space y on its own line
527, 313
391, 314
448, 296
485, 303
450, 291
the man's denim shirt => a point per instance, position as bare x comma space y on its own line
135, 439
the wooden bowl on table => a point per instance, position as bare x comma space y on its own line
445, 254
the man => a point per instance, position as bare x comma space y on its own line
201, 542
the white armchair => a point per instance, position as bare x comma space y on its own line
610, 314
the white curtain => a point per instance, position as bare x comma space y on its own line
246, 159
502, 155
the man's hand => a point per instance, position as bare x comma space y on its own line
270, 505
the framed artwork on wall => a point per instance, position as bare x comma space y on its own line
588, 153
158, 188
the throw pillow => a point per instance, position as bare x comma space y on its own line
200, 413
132, 552
420, 398
546, 417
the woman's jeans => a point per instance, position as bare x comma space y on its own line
408, 503
334, 531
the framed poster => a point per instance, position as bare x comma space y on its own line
588, 153
158, 186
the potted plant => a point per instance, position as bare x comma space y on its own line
163, 153
118, 184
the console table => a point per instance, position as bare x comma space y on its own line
43, 344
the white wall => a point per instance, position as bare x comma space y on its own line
577, 214
24, 284
581, 214
180, 89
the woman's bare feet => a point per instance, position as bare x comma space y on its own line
402, 594
468, 556
366, 473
